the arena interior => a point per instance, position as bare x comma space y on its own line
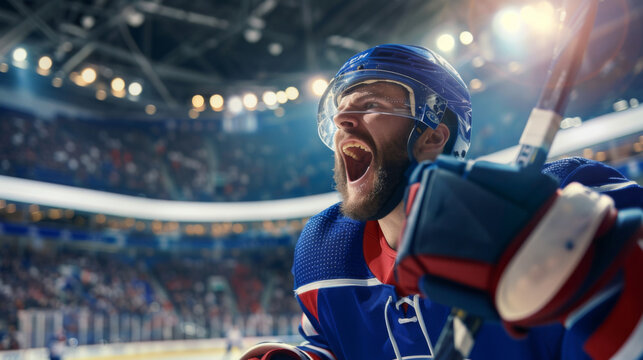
159, 158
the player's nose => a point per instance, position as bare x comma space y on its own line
346, 119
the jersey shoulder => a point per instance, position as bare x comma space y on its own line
597, 176
330, 247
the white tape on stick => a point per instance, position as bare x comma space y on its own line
541, 128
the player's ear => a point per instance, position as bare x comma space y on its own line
431, 143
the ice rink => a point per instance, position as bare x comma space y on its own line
210, 354
210, 349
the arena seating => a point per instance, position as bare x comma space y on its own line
186, 289
163, 161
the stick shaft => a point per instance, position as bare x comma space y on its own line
544, 120
537, 137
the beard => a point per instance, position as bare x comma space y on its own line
389, 175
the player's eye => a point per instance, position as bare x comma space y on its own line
372, 105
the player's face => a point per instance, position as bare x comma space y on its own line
370, 148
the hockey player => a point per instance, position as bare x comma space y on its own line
387, 109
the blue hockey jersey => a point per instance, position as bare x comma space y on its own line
344, 283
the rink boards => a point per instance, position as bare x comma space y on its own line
211, 349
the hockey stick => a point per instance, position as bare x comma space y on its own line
458, 335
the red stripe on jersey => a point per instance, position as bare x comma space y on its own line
625, 315
313, 355
309, 299
378, 255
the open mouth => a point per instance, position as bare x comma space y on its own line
357, 158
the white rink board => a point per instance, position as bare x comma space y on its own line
211, 349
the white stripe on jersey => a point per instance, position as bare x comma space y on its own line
610, 187
307, 326
591, 304
322, 284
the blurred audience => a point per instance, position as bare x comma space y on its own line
155, 160
161, 288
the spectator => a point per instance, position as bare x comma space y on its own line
157, 161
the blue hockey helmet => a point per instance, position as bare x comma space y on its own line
434, 86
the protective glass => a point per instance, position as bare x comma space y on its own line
343, 96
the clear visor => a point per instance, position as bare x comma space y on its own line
358, 93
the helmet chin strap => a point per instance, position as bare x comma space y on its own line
398, 194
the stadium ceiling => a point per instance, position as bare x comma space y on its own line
178, 48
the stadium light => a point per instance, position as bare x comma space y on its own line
77, 78
216, 102
466, 38
252, 35
135, 89
292, 93
476, 85
515, 67
36, 216
250, 101
269, 98
45, 63
19, 54
318, 86
89, 75
282, 98
638, 147
567, 123
118, 84
445, 42
540, 17
477, 62
119, 94
101, 94
235, 105
507, 22
620, 105
198, 101
275, 49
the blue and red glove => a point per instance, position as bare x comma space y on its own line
279, 354
274, 351
504, 243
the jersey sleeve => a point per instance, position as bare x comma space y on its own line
307, 270
609, 325
599, 177
314, 347
315, 344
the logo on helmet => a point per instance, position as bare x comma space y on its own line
359, 57
434, 109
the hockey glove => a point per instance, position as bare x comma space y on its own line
274, 351
503, 242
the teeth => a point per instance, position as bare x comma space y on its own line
347, 151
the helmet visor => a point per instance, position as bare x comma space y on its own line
353, 93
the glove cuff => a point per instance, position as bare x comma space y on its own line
549, 267
274, 348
